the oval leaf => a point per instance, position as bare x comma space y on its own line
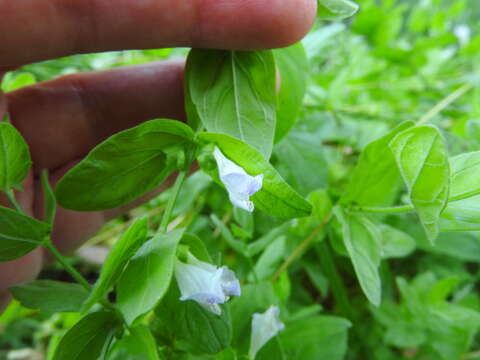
293, 66
376, 178
15, 159
19, 234
148, 275
122, 251
421, 156
122, 168
363, 243
87, 339
50, 296
233, 92
276, 197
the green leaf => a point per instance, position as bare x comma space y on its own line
49, 200
19, 234
376, 178
422, 158
14, 82
313, 338
336, 9
139, 344
196, 247
276, 197
50, 296
193, 328
301, 160
294, 69
15, 159
363, 242
465, 171
117, 259
395, 243
148, 275
233, 92
88, 339
124, 167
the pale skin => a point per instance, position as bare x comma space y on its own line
64, 118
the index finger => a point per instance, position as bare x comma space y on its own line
34, 30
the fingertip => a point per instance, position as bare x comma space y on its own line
253, 24
21, 270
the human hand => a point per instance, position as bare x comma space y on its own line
63, 119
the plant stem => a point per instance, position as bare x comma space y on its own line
69, 268
11, 198
383, 210
171, 201
301, 247
444, 103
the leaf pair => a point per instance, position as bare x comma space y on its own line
419, 155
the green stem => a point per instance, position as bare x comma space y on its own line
383, 210
69, 268
171, 201
11, 198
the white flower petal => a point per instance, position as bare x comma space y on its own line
205, 283
240, 186
264, 327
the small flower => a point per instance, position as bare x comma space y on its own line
463, 33
205, 283
239, 184
264, 327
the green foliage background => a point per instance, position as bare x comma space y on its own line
394, 61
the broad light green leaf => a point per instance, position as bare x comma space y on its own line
395, 243
363, 242
117, 259
294, 69
88, 338
276, 197
336, 9
465, 172
123, 167
49, 200
193, 328
148, 275
422, 158
50, 296
376, 178
19, 234
15, 159
139, 344
461, 215
233, 92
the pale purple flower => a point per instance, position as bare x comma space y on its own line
240, 186
206, 284
264, 327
